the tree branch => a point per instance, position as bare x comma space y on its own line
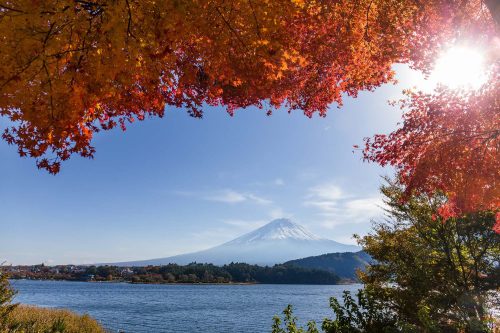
494, 8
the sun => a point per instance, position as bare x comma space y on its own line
460, 67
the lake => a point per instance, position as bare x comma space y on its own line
182, 308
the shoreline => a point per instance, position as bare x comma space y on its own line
187, 283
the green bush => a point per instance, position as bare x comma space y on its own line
289, 324
364, 314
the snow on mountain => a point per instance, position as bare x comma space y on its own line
276, 242
277, 229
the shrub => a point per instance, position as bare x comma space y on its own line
289, 324
25, 319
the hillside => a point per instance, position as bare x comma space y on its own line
343, 264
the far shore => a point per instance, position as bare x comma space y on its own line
189, 283
194, 273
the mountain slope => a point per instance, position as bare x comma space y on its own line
342, 264
276, 242
279, 229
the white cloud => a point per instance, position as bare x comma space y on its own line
335, 207
369, 206
257, 199
327, 206
324, 197
353, 212
347, 239
330, 192
279, 182
227, 196
277, 213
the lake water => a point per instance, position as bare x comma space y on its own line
182, 308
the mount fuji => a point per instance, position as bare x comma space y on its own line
276, 242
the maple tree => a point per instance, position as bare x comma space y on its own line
70, 68
449, 141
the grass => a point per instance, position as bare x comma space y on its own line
30, 319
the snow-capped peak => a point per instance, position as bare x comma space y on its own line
276, 242
279, 229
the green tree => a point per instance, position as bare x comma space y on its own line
433, 273
429, 275
366, 313
6, 296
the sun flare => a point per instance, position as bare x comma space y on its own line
460, 67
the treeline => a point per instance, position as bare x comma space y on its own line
172, 273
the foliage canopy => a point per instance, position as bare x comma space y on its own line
70, 68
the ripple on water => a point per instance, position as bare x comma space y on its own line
182, 308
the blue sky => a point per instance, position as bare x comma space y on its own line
178, 184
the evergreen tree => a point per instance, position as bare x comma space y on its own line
6, 296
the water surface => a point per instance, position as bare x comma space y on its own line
181, 308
